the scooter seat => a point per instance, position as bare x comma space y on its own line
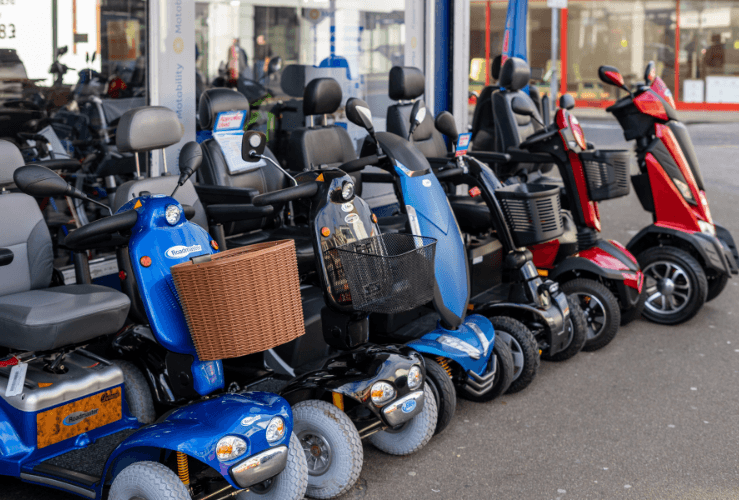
301, 236
393, 223
47, 319
472, 214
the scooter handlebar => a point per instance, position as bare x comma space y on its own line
285, 195
100, 230
449, 172
359, 163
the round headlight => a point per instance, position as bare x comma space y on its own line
275, 429
414, 377
172, 214
382, 392
230, 447
347, 191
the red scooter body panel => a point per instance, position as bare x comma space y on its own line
670, 208
545, 254
649, 104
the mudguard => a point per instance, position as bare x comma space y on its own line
606, 259
712, 253
352, 373
195, 430
724, 235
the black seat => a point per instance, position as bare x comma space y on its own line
406, 85
34, 317
483, 124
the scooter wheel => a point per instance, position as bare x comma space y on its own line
138, 394
413, 435
503, 375
443, 388
716, 285
524, 349
290, 484
676, 285
629, 315
148, 481
602, 312
576, 331
332, 447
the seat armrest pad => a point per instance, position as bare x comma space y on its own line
6, 256
216, 195
232, 212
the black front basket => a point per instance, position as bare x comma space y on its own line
532, 212
388, 274
607, 173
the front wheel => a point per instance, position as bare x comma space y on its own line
413, 435
445, 395
576, 331
629, 315
503, 374
290, 484
148, 481
524, 350
601, 309
676, 285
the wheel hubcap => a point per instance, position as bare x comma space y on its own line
668, 287
317, 452
515, 347
595, 314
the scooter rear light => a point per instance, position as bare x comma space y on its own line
577, 132
561, 119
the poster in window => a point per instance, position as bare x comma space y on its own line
124, 39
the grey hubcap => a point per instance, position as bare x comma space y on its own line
515, 347
668, 287
317, 452
595, 314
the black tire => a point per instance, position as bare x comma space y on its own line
687, 278
503, 375
629, 315
442, 386
576, 331
524, 350
716, 285
602, 312
290, 484
148, 481
138, 394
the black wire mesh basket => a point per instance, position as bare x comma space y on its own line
607, 173
388, 274
532, 212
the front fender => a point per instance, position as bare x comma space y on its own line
196, 428
582, 264
725, 236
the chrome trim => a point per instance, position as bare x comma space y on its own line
477, 385
484, 342
260, 467
393, 417
79, 490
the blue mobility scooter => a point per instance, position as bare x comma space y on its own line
317, 149
75, 421
338, 372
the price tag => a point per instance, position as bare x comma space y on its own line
230, 143
230, 120
17, 379
463, 143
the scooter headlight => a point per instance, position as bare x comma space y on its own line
172, 214
347, 191
275, 429
684, 190
382, 392
414, 377
707, 227
230, 447
459, 345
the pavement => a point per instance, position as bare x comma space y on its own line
651, 416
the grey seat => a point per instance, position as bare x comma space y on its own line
34, 317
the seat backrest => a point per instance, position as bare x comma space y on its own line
483, 124
23, 231
407, 84
324, 145
148, 128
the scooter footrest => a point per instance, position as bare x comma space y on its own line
478, 385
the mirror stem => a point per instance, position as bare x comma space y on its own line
254, 154
95, 202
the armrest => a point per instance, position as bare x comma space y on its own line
383, 177
232, 212
437, 163
70, 165
490, 156
216, 195
6, 256
519, 155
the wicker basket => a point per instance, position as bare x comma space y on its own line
243, 300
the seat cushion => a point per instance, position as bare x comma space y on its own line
42, 320
472, 214
393, 223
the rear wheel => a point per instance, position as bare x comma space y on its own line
523, 347
601, 309
148, 481
138, 396
442, 386
716, 285
675, 283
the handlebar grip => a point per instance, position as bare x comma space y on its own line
189, 211
449, 172
285, 195
77, 239
359, 163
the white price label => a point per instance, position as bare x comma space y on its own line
557, 4
17, 379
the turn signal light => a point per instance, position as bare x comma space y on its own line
475, 191
145, 261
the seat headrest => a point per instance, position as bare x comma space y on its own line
515, 74
321, 96
10, 160
406, 83
495, 67
214, 101
147, 128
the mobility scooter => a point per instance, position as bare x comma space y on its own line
77, 422
686, 257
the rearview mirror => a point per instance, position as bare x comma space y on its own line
191, 157
61, 51
523, 107
446, 125
93, 56
650, 73
566, 101
39, 181
253, 145
611, 76
358, 112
